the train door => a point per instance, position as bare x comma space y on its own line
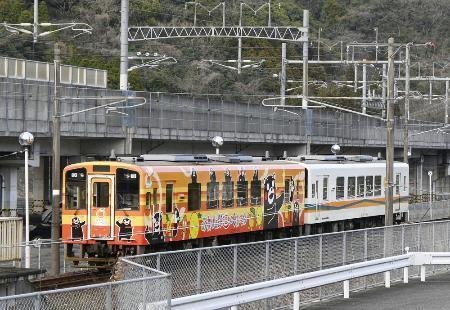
397, 192
322, 191
315, 196
101, 207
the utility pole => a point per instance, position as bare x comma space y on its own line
124, 8
388, 220
406, 116
283, 74
35, 21
446, 101
364, 89
305, 59
124, 45
56, 178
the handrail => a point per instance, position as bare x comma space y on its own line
258, 291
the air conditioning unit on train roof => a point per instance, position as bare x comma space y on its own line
231, 158
360, 158
175, 157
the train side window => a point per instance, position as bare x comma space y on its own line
325, 188
155, 196
360, 186
298, 190
287, 191
351, 187
404, 183
340, 187
369, 186
242, 191
227, 194
397, 184
313, 190
255, 192
377, 187
212, 195
169, 197
148, 200
194, 196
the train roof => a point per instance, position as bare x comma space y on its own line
243, 160
182, 159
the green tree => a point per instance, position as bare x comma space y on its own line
332, 12
43, 12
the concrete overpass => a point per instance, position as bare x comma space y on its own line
181, 123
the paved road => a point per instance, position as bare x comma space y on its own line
429, 295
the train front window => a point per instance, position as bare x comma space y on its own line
127, 189
100, 195
76, 189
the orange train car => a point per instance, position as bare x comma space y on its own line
153, 201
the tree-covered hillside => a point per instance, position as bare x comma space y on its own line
339, 20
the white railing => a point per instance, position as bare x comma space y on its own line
240, 295
10, 237
44, 71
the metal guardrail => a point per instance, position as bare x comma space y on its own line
139, 287
203, 270
259, 291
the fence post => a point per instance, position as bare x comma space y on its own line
267, 260
296, 305
235, 265
346, 289
403, 239
365, 245
37, 302
320, 263
295, 256
344, 247
199, 270
109, 298
158, 262
419, 245
405, 275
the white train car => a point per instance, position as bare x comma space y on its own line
350, 190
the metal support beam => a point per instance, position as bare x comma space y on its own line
283, 74
124, 45
305, 58
35, 21
430, 95
364, 89
406, 116
56, 168
446, 101
355, 85
390, 137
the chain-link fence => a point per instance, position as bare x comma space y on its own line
208, 269
132, 287
426, 211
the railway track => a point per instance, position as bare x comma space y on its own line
71, 279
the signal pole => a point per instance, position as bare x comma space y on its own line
388, 220
35, 21
406, 116
56, 169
